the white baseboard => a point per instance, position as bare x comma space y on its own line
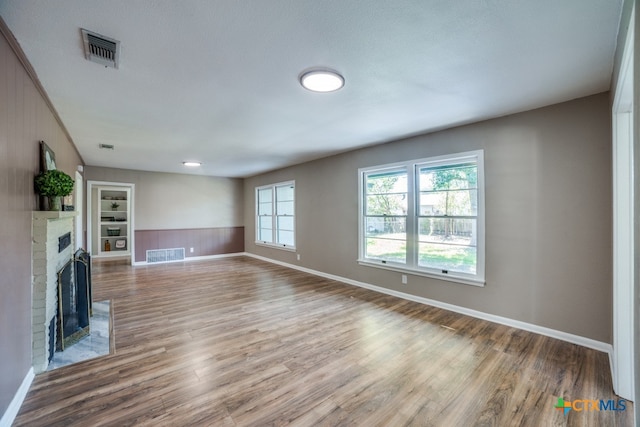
14, 407
564, 336
192, 258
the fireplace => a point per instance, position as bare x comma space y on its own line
51, 251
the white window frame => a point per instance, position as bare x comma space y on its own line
411, 266
274, 216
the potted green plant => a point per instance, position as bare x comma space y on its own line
114, 206
53, 184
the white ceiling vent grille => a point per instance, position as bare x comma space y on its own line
101, 49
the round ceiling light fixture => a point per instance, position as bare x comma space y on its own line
192, 164
321, 80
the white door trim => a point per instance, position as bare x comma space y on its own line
79, 206
623, 227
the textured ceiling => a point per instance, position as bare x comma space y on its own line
217, 81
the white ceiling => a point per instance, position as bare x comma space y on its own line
217, 80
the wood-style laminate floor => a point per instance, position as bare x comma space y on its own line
241, 342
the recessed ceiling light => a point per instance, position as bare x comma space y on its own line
321, 80
192, 164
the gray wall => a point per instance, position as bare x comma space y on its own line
25, 118
178, 201
548, 210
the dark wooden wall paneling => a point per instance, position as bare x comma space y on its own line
204, 241
26, 116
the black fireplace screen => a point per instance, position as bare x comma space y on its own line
73, 304
82, 261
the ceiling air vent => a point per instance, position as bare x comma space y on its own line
101, 49
106, 146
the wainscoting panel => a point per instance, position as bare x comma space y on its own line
204, 241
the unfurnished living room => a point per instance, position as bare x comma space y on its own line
297, 212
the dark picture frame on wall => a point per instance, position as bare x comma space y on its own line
47, 157
47, 163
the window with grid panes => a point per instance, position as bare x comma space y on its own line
425, 216
385, 215
275, 215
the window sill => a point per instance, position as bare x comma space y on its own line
415, 272
274, 246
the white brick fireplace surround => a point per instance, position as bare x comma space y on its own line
47, 228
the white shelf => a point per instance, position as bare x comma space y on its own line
107, 196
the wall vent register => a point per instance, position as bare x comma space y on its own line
165, 255
100, 49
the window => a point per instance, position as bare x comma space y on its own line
275, 215
385, 216
425, 216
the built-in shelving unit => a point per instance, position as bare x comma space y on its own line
114, 221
